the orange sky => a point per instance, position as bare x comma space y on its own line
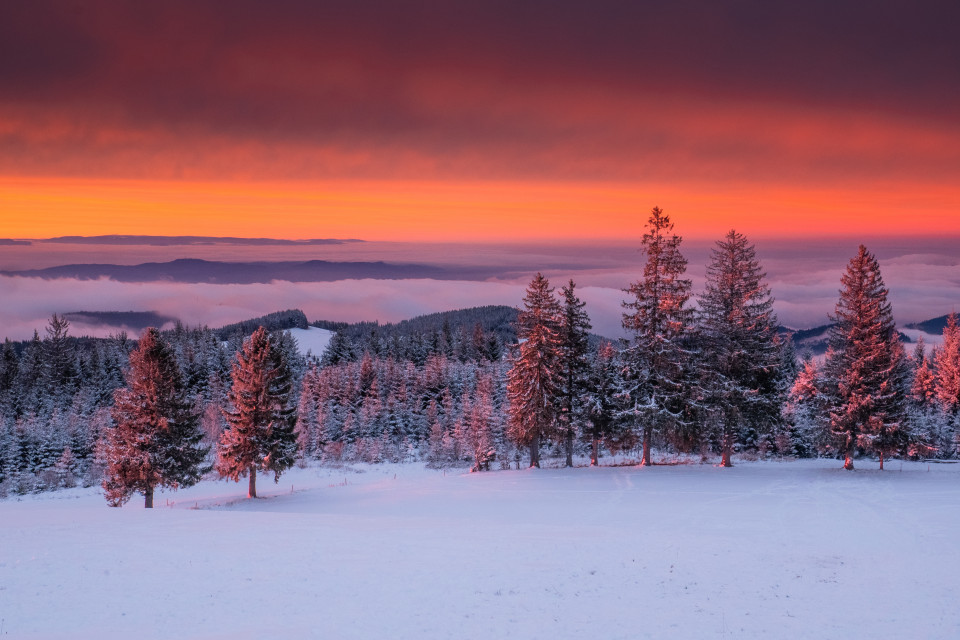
450, 210
478, 120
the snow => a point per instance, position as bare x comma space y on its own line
775, 549
313, 340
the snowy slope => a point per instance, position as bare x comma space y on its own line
313, 340
763, 550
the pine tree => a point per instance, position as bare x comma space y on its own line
865, 368
738, 334
534, 377
923, 389
948, 367
574, 365
601, 399
260, 431
59, 362
480, 431
156, 440
804, 406
654, 379
338, 351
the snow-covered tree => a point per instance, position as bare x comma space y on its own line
261, 420
804, 408
480, 424
574, 365
59, 362
738, 334
601, 399
534, 377
157, 438
948, 367
655, 380
865, 372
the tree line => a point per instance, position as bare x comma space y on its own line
705, 375
716, 377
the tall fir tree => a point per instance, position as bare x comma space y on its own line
738, 333
655, 362
261, 418
866, 370
157, 438
574, 365
534, 377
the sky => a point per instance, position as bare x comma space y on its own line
479, 121
537, 134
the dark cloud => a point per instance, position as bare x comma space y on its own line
479, 89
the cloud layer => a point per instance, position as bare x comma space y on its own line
805, 285
690, 89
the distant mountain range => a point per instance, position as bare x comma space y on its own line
132, 320
170, 241
934, 325
815, 340
191, 270
497, 319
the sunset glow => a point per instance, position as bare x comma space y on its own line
475, 121
458, 211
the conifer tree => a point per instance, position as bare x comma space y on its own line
480, 432
804, 406
923, 388
59, 361
738, 334
655, 375
925, 414
948, 367
865, 370
574, 365
534, 377
261, 420
601, 399
157, 438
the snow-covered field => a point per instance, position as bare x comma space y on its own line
312, 340
772, 550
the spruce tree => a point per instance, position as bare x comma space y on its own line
866, 369
574, 365
655, 362
948, 367
738, 334
534, 377
59, 364
601, 399
480, 419
261, 419
157, 438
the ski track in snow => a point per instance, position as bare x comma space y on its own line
767, 549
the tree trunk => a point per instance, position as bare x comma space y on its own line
645, 460
848, 460
569, 443
881, 459
148, 498
535, 452
595, 452
725, 455
252, 490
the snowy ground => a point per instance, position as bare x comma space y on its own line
784, 550
312, 340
